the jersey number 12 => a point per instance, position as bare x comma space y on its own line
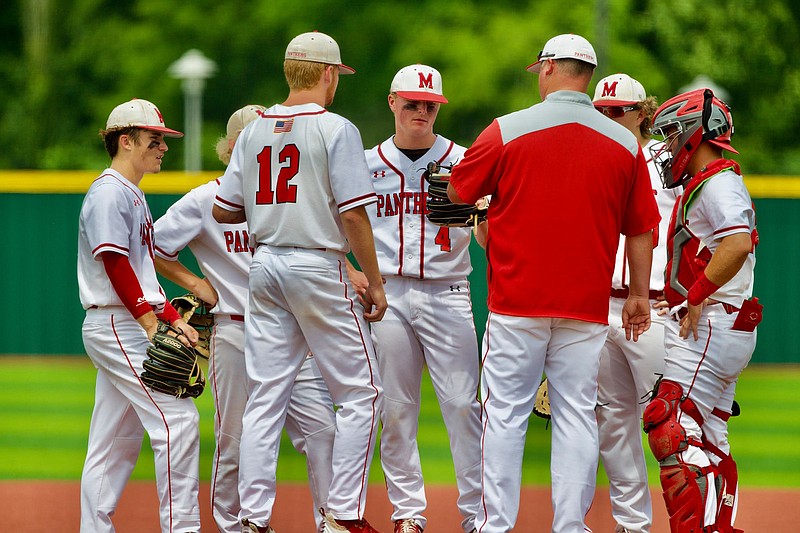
283, 192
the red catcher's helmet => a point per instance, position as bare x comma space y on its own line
685, 121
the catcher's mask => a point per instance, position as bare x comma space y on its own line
685, 121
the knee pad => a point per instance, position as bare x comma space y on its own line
660, 421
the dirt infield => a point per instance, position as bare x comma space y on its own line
41, 506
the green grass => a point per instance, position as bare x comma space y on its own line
46, 405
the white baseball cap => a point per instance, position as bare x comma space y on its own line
139, 114
566, 46
317, 47
418, 82
242, 118
618, 90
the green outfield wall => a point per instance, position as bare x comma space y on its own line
38, 240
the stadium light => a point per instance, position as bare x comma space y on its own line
193, 69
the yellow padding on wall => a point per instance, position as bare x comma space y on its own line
78, 181
176, 182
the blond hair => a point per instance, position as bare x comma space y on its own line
302, 75
236, 123
648, 108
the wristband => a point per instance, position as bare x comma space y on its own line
169, 315
702, 289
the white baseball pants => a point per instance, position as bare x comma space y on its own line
517, 350
310, 423
300, 299
124, 409
429, 322
707, 369
628, 372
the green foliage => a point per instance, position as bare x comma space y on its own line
65, 65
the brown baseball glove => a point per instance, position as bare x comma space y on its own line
194, 312
541, 405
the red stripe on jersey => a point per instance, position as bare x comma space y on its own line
165, 253
730, 228
119, 249
226, 202
400, 214
124, 183
358, 199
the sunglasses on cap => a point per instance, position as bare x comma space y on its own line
615, 111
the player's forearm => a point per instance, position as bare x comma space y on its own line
223, 216
728, 258
149, 323
358, 231
177, 273
639, 249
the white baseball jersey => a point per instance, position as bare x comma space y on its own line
224, 255
115, 217
665, 198
222, 251
292, 198
723, 207
407, 243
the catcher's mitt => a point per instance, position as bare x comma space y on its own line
171, 366
443, 212
541, 405
194, 312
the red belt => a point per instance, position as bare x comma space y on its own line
237, 318
624, 293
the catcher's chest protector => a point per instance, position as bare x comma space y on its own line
686, 261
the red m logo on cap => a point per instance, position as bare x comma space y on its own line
425, 81
610, 90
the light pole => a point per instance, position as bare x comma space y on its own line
193, 69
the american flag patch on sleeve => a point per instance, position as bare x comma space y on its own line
283, 126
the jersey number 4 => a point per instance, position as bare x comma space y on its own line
283, 192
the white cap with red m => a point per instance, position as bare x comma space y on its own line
418, 82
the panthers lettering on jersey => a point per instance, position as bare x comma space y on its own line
407, 244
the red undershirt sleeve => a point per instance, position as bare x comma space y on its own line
124, 281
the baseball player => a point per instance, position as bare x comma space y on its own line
628, 370
710, 335
223, 253
299, 178
430, 322
551, 315
120, 292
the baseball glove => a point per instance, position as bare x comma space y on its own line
171, 366
541, 405
194, 312
443, 212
